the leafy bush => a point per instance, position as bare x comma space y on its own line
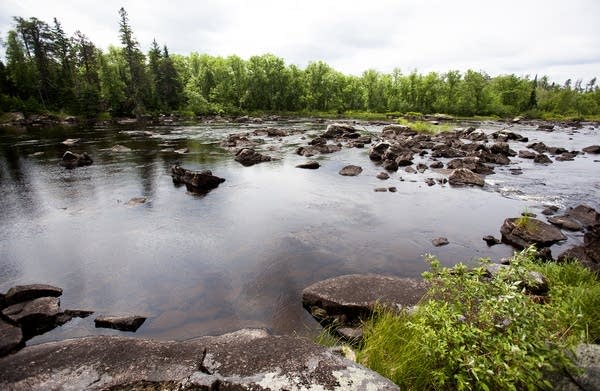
473, 331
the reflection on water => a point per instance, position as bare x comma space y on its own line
240, 256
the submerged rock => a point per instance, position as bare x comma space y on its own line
533, 231
122, 323
464, 176
351, 170
71, 141
248, 359
196, 181
120, 148
491, 241
441, 241
137, 201
72, 160
249, 157
310, 165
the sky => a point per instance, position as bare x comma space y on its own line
559, 39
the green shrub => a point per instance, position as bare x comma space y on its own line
472, 331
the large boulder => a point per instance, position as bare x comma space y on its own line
35, 316
20, 293
195, 181
464, 176
585, 214
523, 232
72, 160
249, 157
248, 359
310, 165
349, 299
339, 130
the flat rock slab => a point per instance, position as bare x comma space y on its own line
20, 293
244, 360
355, 296
534, 232
464, 176
11, 338
123, 323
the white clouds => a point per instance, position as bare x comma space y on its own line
561, 39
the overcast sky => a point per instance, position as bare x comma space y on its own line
560, 39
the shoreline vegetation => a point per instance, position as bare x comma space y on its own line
47, 72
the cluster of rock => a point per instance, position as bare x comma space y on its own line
200, 182
72, 160
337, 133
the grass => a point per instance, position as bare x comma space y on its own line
425, 126
525, 221
475, 332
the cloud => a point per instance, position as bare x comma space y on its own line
521, 36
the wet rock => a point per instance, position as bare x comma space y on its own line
122, 323
248, 359
533, 232
546, 127
542, 159
338, 130
390, 165
72, 160
310, 165
430, 181
21, 293
195, 181
565, 222
355, 296
317, 149
550, 210
516, 171
271, 132
383, 175
318, 141
351, 170
393, 131
120, 148
249, 157
11, 338
392, 189
557, 150
410, 170
437, 164
472, 163
238, 140
502, 149
447, 151
137, 201
182, 151
476, 135
491, 241
464, 176
381, 189
592, 149
539, 147
377, 150
67, 315
71, 141
363, 140
525, 154
528, 214
587, 375
35, 316
441, 241
566, 157
421, 167
585, 214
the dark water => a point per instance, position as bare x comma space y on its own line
240, 256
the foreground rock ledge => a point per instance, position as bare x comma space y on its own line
248, 359
351, 298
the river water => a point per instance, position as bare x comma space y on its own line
241, 255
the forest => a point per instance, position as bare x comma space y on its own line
47, 71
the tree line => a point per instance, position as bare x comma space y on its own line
44, 70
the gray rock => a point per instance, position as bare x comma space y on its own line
534, 232
195, 181
244, 360
355, 296
11, 338
137, 201
338, 130
430, 181
122, 323
71, 141
585, 214
464, 176
249, 157
351, 170
383, 176
380, 189
550, 210
565, 222
437, 164
35, 317
410, 170
534, 282
72, 160
441, 241
310, 165
587, 359
120, 148
525, 154
392, 189
593, 149
542, 159
20, 293
490, 240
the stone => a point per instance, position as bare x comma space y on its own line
72, 160
592, 149
383, 176
546, 127
525, 154
491, 241
390, 165
550, 210
421, 167
137, 201
534, 282
542, 159
120, 148
464, 176
71, 141
585, 214
533, 232
196, 181
430, 181
410, 170
565, 222
355, 296
248, 359
587, 375
351, 170
182, 151
406, 159
21, 293
351, 334
539, 147
35, 316
310, 165
380, 189
67, 315
249, 157
566, 157
338, 130
392, 189
122, 323
11, 338
437, 164
441, 241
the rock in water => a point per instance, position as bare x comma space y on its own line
11, 338
120, 148
351, 170
196, 181
123, 323
441, 241
464, 176
71, 141
594, 149
72, 160
531, 231
249, 157
310, 165
20, 293
35, 317
339, 130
